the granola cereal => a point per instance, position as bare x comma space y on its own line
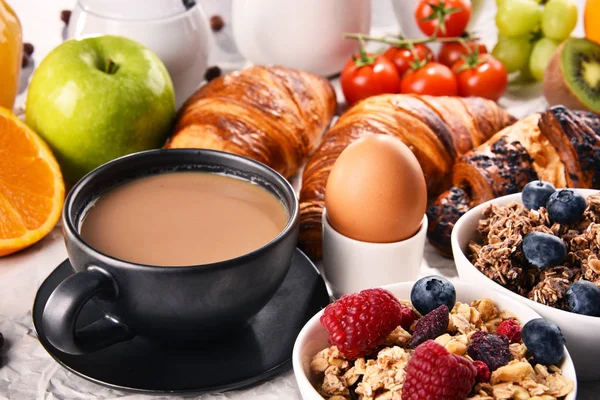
499, 255
380, 375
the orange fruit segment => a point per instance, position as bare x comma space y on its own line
31, 186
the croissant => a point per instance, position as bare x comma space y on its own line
436, 129
274, 115
560, 146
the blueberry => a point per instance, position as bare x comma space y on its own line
544, 250
536, 194
583, 297
565, 206
431, 292
544, 340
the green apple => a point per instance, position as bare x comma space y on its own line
97, 99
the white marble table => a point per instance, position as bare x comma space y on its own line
27, 371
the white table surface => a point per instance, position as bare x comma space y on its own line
26, 370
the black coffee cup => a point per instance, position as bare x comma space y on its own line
167, 303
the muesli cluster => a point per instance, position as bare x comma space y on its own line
566, 274
437, 345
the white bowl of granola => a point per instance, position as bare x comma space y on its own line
473, 255
312, 349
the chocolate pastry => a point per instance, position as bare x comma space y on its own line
560, 146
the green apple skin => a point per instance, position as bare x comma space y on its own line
90, 115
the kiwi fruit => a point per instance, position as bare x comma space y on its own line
572, 77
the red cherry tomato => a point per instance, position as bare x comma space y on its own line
434, 79
402, 57
453, 14
360, 81
451, 52
488, 78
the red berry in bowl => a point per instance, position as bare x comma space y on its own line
433, 373
511, 329
431, 326
483, 372
408, 317
358, 323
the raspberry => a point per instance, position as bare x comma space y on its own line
408, 317
483, 372
358, 323
432, 373
431, 326
490, 348
510, 329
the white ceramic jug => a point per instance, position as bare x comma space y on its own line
303, 34
180, 37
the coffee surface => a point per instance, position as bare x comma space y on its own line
183, 219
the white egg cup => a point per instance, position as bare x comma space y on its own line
351, 265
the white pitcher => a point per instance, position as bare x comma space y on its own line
180, 37
303, 34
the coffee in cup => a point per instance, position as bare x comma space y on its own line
172, 244
182, 219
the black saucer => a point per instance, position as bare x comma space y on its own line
259, 350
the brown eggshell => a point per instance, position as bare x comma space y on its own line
376, 191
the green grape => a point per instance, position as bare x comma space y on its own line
513, 51
518, 17
525, 75
559, 19
540, 57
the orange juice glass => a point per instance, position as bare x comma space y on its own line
11, 48
591, 15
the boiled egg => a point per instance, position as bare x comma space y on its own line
376, 191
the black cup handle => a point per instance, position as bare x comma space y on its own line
65, 304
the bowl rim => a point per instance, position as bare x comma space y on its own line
313, 323
515, 197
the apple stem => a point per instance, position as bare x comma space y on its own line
111, 67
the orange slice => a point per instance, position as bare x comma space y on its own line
31, 186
